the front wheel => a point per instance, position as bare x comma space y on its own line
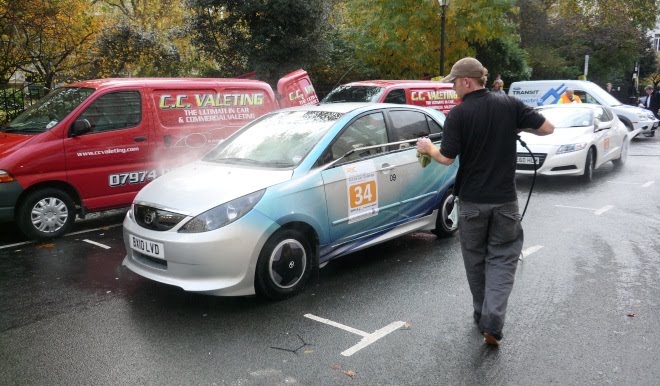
619, 162
46, 214
284, 265
589, 162
444, 227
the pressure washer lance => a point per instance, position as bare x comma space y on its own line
531, 188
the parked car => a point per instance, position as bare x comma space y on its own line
586, 137
90, 146
426, 93
545, 92
290, 191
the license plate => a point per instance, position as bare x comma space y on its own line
525, 160
150, 248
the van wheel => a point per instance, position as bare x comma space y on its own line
588, 174
284, 265
444, 227
46, 214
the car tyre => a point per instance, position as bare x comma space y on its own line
589, 163
444, 227
619, 162
46, 214
284, 265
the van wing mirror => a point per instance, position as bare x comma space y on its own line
80, 127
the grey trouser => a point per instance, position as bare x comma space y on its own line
491, 241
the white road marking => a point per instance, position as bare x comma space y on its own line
603, 210
97, 244
646, 185
531, 250
15, 245
367, 338
68, 234
574, 207
338, 325
597, 212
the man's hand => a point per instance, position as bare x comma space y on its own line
425, 146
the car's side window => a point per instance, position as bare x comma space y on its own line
114, 111
434, 126
367, 130
408, 125
397, 96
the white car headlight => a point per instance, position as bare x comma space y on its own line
571, 147
223, 214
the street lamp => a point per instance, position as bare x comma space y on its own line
443, 5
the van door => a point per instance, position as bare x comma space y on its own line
296, 89
106, 164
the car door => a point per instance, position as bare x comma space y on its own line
361, 189
608, 140
422, 184
107, 164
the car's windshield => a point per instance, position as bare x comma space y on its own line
348, 93
278, 140
48, 111
568, 117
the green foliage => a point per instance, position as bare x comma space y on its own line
271, 37
401, 38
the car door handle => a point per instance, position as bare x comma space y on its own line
140, 139
386, 167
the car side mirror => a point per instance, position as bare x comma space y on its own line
80, 127
600, 126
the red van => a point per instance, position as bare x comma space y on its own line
426, 93
90, 146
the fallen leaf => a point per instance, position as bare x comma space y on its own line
632, 315
47, 245
406, 326
349, 373
336, 366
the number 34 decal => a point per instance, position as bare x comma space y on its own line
363, 194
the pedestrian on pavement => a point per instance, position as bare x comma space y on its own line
482, 130
498, 86
569, 97
651, 101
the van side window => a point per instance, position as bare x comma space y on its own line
114, 111
397, 96
367, 130
585, 97
409, 125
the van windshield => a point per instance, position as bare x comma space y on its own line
348, 93
50, 110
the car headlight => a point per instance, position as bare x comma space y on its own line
571, 147
5, 176
223, 214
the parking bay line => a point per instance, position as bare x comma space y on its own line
597, 212
367, 338
97, 244
642, 185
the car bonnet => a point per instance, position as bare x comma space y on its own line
561, 136
200, 186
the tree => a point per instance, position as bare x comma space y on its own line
55, 35
145, 38
271, 37
401, 38
11, 56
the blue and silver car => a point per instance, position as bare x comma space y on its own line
287, 193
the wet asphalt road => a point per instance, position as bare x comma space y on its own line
585, 308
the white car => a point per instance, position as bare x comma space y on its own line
586, 136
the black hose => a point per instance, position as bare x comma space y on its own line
531, 188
